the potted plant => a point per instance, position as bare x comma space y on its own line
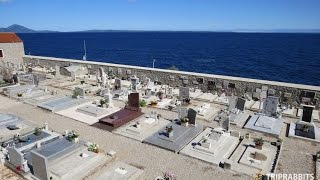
160, 95
205, 143
102, 102
305, 128
75, 94
184, 121
169, 176
19, 95
169, 130
258, 142
94, 148
73, 136
247, 135
82, 82
188, 100
37, 131
143, 103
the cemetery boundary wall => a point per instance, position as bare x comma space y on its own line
181, 78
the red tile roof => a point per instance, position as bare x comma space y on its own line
9, 38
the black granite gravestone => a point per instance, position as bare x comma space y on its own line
307, 114
192, 116
241, 104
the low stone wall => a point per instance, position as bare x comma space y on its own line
206, 82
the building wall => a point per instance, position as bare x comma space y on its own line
181, 78
12, 54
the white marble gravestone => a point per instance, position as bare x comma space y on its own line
57, 68
182, 112
134, 83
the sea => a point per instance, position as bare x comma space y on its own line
285, 57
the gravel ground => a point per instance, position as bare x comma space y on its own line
296, 155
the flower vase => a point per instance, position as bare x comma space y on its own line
185, 124
76, 140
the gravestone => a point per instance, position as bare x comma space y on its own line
258, 90
248, 96
73, 76
232, 85
79, 91
225, 84
39, 165
226, 124
232, 102
307, 114
104, 80
15, 157
182, 112
307, 96
256, 95
271, 92
57, 68
270, 106
263, 95
134, 83
211, 85
264, 88
224, 121
119, 71
184, 93
117, 84
108, 99
241, 104
133, 100
192, 116
35, 80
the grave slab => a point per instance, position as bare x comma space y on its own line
250, 160
62, 103
147, 126
181, 136
217, 147
206, 97
7, 120
120, 171
87, 113
206, 112
223, 100
265, 124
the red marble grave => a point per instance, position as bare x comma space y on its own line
117, 119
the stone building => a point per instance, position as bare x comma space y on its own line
11, 51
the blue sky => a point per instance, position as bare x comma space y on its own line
72, 15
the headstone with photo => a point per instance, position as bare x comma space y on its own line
117, 84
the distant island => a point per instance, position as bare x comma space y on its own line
16, 28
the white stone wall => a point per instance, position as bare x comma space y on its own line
12, 54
